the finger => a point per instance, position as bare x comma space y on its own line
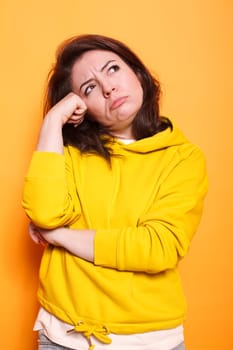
34, 237
80, 111
42, 240
75, 121
76, 117
32, 232
31, 227
78, 123
35, 234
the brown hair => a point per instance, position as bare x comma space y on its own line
88, 136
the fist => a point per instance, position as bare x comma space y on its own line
71, 109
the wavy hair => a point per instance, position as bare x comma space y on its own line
88, 136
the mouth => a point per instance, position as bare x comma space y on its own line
118, 102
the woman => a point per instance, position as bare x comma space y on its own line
117, 193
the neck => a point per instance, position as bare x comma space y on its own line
124, 135
121, 137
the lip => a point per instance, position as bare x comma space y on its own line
118, 102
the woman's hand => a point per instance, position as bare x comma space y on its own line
71, 109
35, 234
77, 242
43, 236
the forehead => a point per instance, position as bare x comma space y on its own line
94, 60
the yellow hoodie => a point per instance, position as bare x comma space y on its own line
145, 210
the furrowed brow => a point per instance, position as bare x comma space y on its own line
101, 70
106, 64
85, 82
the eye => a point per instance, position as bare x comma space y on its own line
113, 68
89, 89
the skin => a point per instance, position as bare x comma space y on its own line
110, 91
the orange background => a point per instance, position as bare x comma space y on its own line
189, 45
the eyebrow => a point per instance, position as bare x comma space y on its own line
106, 64
101, 70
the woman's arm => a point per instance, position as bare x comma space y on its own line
163, 234
71, 109
49, 188
77, 242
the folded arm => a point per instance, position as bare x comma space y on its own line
162, 235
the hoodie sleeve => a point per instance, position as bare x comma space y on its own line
49, 195
164, 233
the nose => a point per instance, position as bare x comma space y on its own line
108, 88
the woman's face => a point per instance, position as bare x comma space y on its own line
110, 89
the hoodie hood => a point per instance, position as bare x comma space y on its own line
164, 139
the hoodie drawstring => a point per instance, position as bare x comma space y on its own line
101, 332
